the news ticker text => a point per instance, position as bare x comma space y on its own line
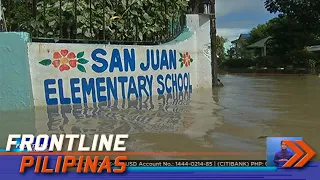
193, 163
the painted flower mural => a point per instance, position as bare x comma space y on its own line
64, 60
185, 59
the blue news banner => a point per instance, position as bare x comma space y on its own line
158, 170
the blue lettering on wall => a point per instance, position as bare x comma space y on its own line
174, 83
173, 59
104, 63
149, 82
129, 60
112, 88
88, 88
123, 80
63, 100
155, 61
103, 89
142, 82
186, 81
126, 63
48, 91
74, 90
189, 82
145, 66
162, 89
115, 61
132, 88
100, 89
169, 88
180, 83
164, 60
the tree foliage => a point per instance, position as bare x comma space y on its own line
288, 35
220, 46
239, 49
305, 12
123, 20
286, 32
287, 45
262, 31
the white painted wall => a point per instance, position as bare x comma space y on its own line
202, 34
199, 69
152, 117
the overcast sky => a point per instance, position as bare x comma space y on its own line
239, 16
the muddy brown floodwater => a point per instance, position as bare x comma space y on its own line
235, 118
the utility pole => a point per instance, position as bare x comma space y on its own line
213, 38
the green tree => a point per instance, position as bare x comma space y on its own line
220, 46
123, 20
262, 31
288, 35
194, 6
239, 49
299, 27
17, 13
305, 12
286, 47
258, 33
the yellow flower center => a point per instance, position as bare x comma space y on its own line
64, 60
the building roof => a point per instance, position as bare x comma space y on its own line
245, 36
260, 44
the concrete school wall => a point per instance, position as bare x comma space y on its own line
55, 74
15, 80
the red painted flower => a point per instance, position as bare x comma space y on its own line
64, 60
186, 59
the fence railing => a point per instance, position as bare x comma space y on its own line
97, 21
198, 6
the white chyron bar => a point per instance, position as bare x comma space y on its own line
112, 142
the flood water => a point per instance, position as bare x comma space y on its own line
235, 118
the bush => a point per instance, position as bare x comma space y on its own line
297, 59
301, 58
238, 63
269, 61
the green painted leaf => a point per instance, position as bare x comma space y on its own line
82, 61
181, 65
80, 54
191, 60
180, 60
45, 62
81, 68
181, 54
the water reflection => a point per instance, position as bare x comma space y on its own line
126, 116
231, 118
170, 122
